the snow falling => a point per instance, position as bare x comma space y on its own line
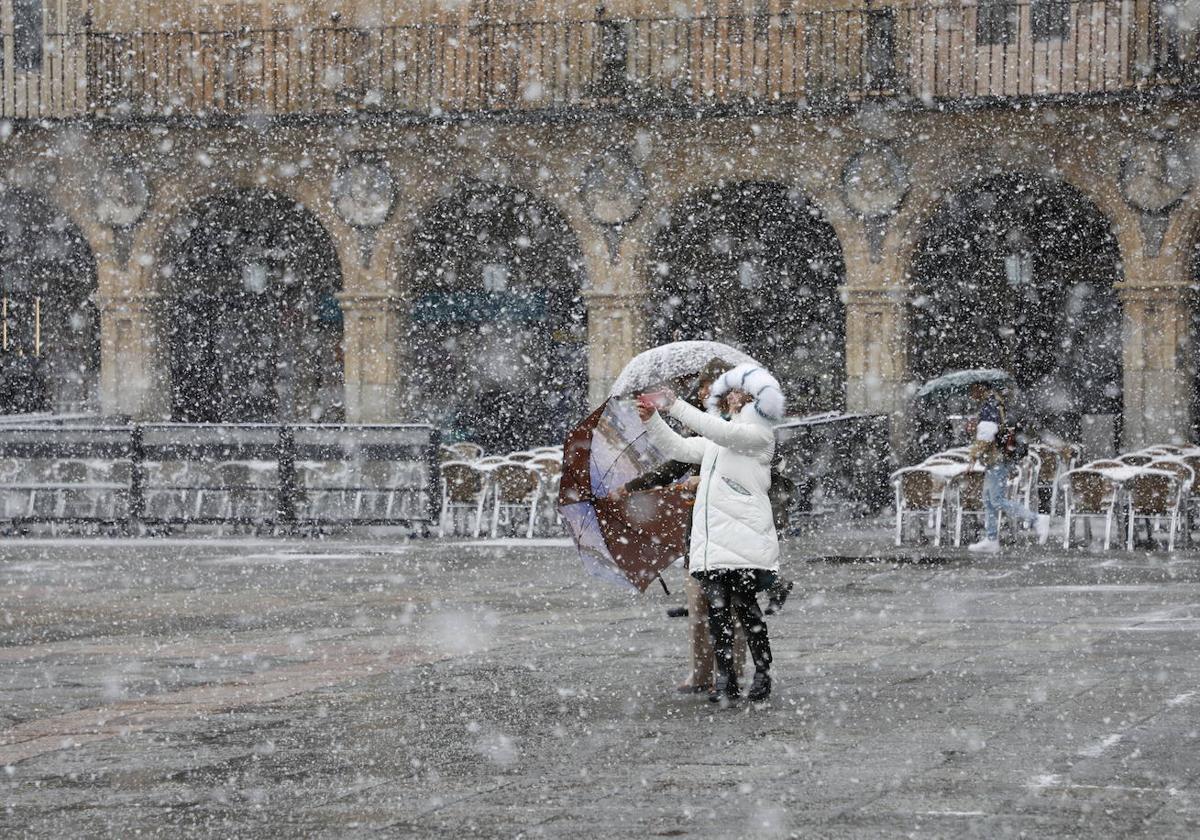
390, 439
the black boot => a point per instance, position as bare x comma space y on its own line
777, 595
760, 689
725, 688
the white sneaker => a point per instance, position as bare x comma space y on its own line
1042, 527
985, 546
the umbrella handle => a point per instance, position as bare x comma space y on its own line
664, 584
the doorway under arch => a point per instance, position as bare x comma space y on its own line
499, 325
1018, 272
253, 324
50, 341
755, 264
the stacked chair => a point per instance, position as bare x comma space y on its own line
510, 490
1155, 487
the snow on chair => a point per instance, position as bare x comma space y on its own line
919, 492
1088, 494
467, 451
1155, 495
516, 485
463, 488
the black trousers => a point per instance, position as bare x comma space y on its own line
732, 593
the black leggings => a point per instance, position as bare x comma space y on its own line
730, 593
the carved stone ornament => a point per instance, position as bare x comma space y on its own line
1155, 176
120, 197
874, 183
364, 194
613, 191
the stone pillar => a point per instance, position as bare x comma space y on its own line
133, 380
876, 350
1157, 373
373, 352
877, 373
616, 330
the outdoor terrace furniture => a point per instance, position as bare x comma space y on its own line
466, 450
1051, 463
1135, 459
516, 486
968, 501
1088, 493
1192, 502
464, 487
1155, 495
920, 492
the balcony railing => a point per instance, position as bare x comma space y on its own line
989, 50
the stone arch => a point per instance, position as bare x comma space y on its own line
50, 358
498, 322
251, 325
923, 205
756, 264
1019, 272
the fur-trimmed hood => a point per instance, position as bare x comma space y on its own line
756, 381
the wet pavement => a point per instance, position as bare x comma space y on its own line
369, 687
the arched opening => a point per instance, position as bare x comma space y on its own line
252, 319
50, 332
1017, 272
755, 265
499, 326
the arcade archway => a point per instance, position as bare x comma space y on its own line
1018, 272
755, 264
49, 324
252, 320
499, 325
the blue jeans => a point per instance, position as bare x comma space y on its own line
995, 500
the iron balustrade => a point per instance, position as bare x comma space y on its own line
980, 51
260, 475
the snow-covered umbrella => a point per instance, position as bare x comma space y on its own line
674, 361
959, 379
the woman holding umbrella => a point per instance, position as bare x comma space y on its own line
733, 532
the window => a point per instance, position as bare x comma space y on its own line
996, 22
881, 47
1049, 19
1018, 269
27, 34
614, 55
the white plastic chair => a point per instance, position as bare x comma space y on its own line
515, 485
1088, 494
464, 487
920, 493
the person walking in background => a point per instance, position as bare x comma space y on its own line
991, 449
733, 530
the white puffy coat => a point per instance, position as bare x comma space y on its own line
732, 523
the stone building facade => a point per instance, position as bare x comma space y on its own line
139, 134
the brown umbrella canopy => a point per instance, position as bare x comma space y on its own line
630, 541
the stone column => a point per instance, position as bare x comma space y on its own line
616, 330
877, 371
133, 380
876, 350
1157, 372
374, 352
